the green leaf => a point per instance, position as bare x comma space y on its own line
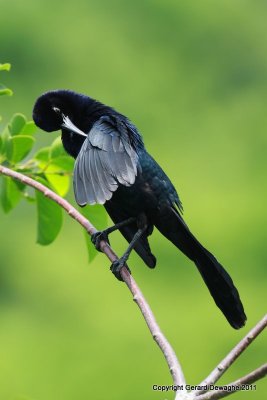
65, 163
10, 193
5, 136
91, 250
29, 128
60, 182
5, 67
4, 91
43, 154
98, 217
55, 169
57, 148
16, 124
50, 218
18, 147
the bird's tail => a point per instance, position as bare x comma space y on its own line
218, 281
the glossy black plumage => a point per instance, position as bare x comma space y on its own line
113, 168
104, 162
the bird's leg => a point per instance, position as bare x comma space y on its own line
103, 235
118, 264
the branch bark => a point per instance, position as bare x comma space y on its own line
236, 386
234, 354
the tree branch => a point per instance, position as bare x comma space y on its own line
235, 386
173, 363
234, 354
160, 339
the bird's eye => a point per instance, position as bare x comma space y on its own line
57, 110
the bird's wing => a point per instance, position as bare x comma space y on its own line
105, 160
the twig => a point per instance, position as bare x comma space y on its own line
168, 352
236, 385
234, 354
174, 365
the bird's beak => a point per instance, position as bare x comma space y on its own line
67, 124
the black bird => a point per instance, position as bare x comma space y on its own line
113, 168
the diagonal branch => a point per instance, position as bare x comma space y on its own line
174, 366
239, 384
160, 339
234, 354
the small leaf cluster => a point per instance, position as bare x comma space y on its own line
4, 91
50, 166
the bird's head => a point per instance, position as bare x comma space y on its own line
56, 110
49, 109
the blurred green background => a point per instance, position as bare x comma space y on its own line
193, 78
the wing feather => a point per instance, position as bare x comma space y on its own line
105, 160
99, 187
89, 189
116, 143
79, 189
101, 191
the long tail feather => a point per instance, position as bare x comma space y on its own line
218, 281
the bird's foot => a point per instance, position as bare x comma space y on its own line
116, 267
97, 237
